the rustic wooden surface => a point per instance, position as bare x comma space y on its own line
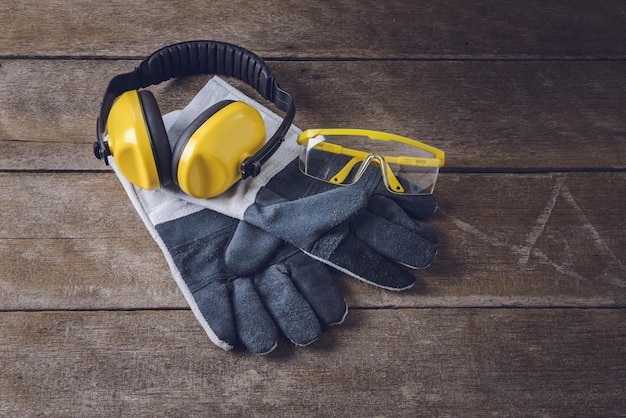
523, 312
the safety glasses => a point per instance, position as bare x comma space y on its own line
343, 156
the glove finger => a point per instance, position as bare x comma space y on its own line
316, 284
250, 249
197, 272
255, 327
214, 305
302, 222
290, 311
388, 209
419, 207
357, 259
406, 247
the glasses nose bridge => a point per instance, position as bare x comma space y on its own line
383, 167
366, 162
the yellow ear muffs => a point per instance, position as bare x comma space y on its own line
138, 141
130, 129
207, 157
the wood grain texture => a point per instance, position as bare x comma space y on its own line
330, 29
525, 240
422, 362
521, 314
496, 116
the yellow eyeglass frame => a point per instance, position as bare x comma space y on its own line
366, 157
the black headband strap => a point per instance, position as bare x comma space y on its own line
205, 57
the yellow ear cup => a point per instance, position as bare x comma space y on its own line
129, 141
207, 158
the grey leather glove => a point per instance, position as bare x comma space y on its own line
245, 287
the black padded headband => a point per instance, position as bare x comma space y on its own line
203, 57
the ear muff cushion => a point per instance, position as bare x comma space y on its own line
158, 136
208, 155
129, 141
182, 141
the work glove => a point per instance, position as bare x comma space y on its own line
272, 288
362, 230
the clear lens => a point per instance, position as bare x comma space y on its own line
416, 180
343, 159
334, 168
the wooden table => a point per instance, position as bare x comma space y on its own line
523, 311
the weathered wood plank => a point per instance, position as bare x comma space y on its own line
73, 241
378, 363
368, 29
493, 115
92, 324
